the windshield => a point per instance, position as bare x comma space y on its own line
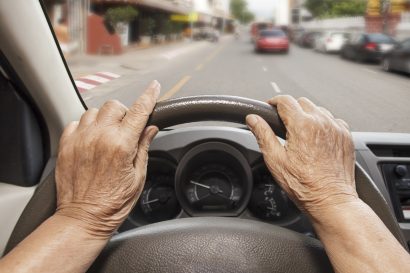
380, 38
201, 47
272, 33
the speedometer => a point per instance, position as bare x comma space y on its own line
158, 201
213, 179
269, 202
214, 187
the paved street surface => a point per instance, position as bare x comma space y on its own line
362, 94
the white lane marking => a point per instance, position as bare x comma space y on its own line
276, 87
109, 74
264, 69
96, 78
370, 70
84, 85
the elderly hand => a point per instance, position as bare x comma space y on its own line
102, 162
316, 164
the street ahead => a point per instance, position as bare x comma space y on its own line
362, 94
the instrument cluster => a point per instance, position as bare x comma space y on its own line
211, 179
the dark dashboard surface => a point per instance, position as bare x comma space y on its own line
212, 171
219, 171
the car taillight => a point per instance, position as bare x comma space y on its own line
371, 46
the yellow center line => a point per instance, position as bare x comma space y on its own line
210, 57
175, 88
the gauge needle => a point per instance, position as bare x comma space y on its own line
199, 184
151, 201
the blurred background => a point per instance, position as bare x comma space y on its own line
350, 56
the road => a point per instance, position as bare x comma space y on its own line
362, 94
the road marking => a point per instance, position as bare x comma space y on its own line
96, 78
176, 88
109, 74
84, 85
264, 69
276, 87
370, 70
209, 58
88, 82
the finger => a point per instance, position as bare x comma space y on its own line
88, 118
268, 142
326, 112
147, 136
111, 112
288, 108
137, 116
343, 123
68, 131
307, 105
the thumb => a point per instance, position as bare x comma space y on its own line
271, 148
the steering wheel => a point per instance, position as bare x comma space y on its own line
207, 244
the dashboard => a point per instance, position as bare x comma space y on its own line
211, 171
219, 171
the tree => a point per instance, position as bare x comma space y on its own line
239, 10
336, 8
349, 8
120, 15
247, 17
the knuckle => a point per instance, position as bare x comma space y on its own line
286, 99
140, 108
112, 104
92, 110
302, 100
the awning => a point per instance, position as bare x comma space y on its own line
172, 6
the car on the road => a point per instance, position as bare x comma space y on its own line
257, 27
331, 41
367, 47
273, 40
307, 39
398, 59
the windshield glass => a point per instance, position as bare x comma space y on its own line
200, 47
272, 33
380, 38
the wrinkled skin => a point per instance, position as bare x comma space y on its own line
102, 163
315, 166
101, 169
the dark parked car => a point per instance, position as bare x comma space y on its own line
308, 39
272, 40
399, 58
368, 47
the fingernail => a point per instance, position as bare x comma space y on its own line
156, 86
152, 131
153, 84
252, 120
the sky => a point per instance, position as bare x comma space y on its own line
263, 9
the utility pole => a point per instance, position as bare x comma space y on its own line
385, 8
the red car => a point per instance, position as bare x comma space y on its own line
272, 40
257, 27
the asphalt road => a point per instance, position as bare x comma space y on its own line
362, 94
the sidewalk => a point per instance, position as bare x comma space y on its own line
89, 71
99, 75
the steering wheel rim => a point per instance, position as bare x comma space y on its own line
214, 108
137, 250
